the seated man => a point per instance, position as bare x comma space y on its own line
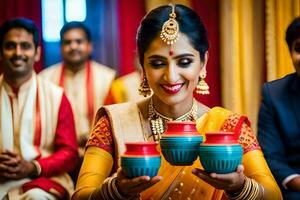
37, 135
279, 122
85, 81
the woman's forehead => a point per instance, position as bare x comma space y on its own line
159, 47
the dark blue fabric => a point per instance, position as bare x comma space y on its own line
279, 128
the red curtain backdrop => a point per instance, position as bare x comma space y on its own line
208, 10
22, 8
130, 14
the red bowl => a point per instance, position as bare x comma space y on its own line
181, 128
141, 149
221, 137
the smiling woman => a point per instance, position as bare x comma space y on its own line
173, 78
173, 51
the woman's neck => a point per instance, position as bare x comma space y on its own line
172, 111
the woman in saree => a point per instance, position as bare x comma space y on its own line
173, 51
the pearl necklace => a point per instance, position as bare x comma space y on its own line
158, 121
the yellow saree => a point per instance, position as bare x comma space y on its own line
178, 182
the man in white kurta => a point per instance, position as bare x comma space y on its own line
86, 82
37, 134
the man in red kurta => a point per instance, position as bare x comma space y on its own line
37, 135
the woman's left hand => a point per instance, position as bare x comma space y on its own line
231, 182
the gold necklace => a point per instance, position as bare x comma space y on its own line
158, 121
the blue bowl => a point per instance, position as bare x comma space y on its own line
220, 159
140, 166
180, 151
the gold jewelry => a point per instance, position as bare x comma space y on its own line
158, 121
250, 191
170, 29
37, 167
202, 87
144, 87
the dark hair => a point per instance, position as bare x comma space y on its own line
189, 23
74, 25
292, 32
23, 23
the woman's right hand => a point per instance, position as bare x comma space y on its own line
134, 186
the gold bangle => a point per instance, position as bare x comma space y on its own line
37, 167
236, 196
250, 191
246, 189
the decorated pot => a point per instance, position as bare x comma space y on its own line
220, 153
180, 143
140, 159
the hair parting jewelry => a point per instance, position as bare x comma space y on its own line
158, 121
170, 29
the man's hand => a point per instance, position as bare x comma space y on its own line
294, 184
13, 166
83, 140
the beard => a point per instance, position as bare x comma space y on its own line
81, 59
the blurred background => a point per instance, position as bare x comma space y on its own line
247, 39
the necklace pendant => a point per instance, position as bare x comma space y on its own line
158, 121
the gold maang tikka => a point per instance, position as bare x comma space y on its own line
170, 29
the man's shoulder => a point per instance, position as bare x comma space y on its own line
98, 67
280, 89
50, 69
49, 86
281, 82
131, 76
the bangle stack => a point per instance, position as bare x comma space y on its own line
109, 190
250, 191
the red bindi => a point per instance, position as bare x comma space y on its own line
171, 52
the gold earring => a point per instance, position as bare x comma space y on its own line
144, 88
202, 87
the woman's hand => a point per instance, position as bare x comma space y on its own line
231, 182
134, 186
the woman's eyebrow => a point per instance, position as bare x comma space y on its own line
156, 56
176, 57
184, 55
